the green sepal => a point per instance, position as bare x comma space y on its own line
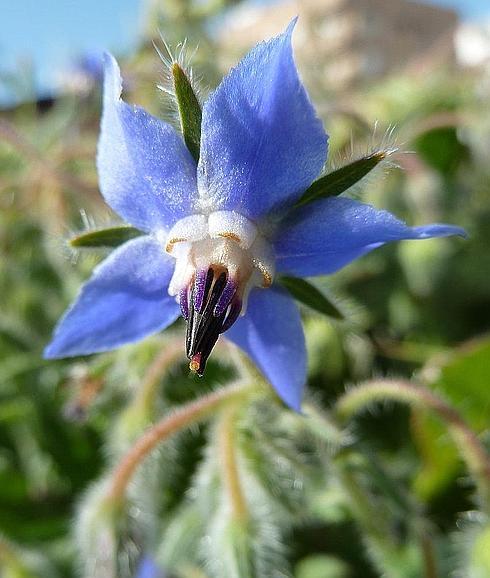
190, 112
338, 181
111, 237
310, 296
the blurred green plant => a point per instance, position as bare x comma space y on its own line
257, 491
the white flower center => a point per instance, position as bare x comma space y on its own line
219, 259
226, 240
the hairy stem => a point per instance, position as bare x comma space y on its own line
376, 521
227, 438
472, 451
169, 425
148, 388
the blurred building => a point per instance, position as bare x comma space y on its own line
346, 42
473, 44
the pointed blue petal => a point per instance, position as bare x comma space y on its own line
271, 334
146, 173
322, 237
262, 144
125, 299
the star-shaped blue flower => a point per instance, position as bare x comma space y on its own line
219, 231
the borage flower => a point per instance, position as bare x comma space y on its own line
218, 232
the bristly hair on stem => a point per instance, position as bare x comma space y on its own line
472, 451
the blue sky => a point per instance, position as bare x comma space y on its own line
50, 33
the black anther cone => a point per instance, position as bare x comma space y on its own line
203, 327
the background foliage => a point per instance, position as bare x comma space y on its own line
385, 493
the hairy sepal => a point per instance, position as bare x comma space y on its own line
340, 180
190, 112
309, 295
111, 237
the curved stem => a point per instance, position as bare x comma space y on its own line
148, 388
375, 520
472, 451
227, 437
169, 425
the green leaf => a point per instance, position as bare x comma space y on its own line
189, 109
337, 182
111, 237
309, 295
442, 149
462, 377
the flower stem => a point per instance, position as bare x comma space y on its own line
148, 388
227, 437
169, 425
472, 451
347, 463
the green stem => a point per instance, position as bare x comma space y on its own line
227, 444
169, 425
147, 391
373, 518
471, 449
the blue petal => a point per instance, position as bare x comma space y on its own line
146, 173
322, 237
272, 336
262, 143
125, 300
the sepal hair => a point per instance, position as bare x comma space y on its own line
182, 56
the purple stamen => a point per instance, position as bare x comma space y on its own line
184, 302
201, 287
225, 297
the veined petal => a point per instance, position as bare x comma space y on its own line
326, 235
125, 299
271, 334
146, 173
262, 144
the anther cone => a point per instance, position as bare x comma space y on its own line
212, 306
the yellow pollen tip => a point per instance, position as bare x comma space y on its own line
195, 362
